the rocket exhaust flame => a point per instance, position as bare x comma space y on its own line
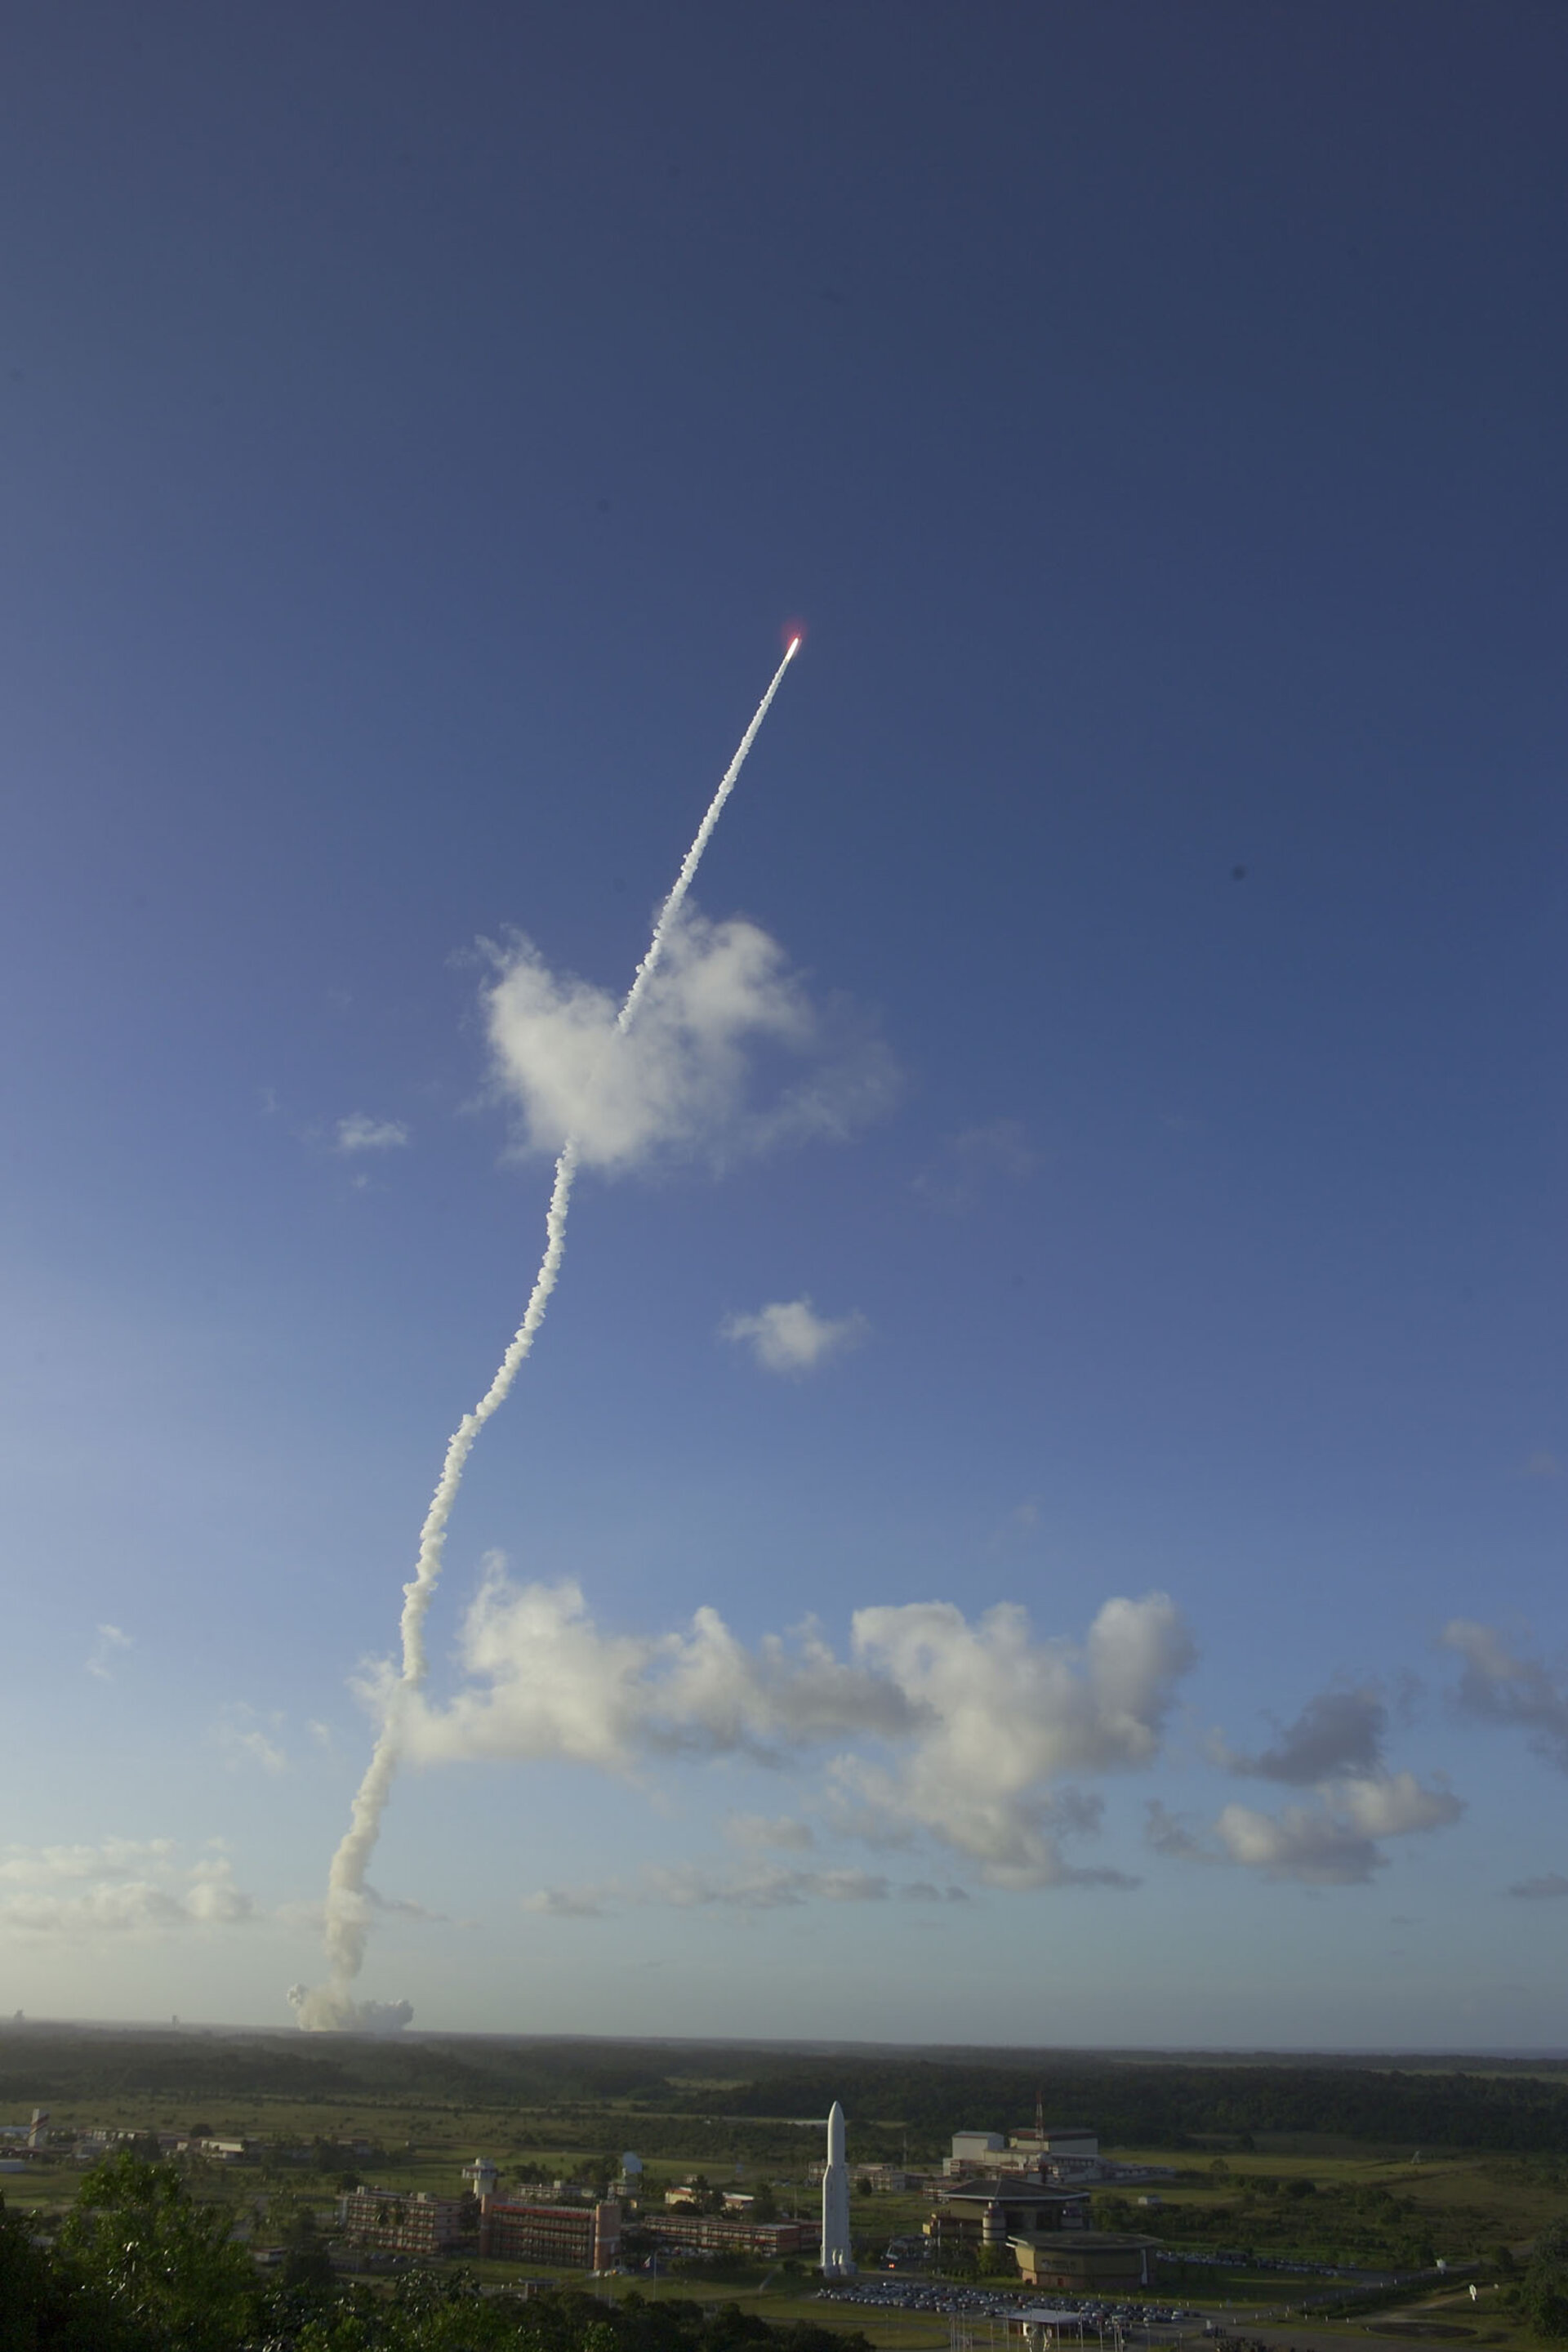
348, 1906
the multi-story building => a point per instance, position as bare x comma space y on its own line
722, 2233
575, 2237
989, 2212
400, 2221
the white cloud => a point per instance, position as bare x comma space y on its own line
246, 1737
110, 1643
1499, 1687
969, 1724
56, 1865
1395, 1804
544, 1681
358, 1133
1304, 1843
123, 1887
679, 1082
790, 1336
692, 1886
1335, 1843
1003, 1715
1339, 1730
570, 1902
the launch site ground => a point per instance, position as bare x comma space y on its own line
1288, 2205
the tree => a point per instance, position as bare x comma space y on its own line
162, 2264
1543, 2297
306, 2262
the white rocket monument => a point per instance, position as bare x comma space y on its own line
836, 2259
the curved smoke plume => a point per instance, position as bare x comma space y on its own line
347, 1913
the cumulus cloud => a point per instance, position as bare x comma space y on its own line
1003, 1715
1545, 1889
543, 1680
1499, 1687
790, 1336
681, 1082
1339, 1730
943, 1729
122, 1887
358, 1133
1335, 1843
109, 1645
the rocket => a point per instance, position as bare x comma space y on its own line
837, 2261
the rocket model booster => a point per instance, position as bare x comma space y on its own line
837, 2262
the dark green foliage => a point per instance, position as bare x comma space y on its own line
141, 2268
1543, 2293
162, 2263
1132, 2100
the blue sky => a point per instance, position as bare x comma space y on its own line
420, 434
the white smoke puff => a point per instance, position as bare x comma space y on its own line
331, 2008
677, 1082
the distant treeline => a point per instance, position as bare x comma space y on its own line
676, 2092
1181, 2106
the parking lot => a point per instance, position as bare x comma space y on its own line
1098, 2320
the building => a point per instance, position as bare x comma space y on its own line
401, 2221
721, 2233
1009, 2205
481, 2177
575, 2237
973, 2152
1059, 2152
1084, 2262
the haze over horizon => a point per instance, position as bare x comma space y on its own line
1039, 1501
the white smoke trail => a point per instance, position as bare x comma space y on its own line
348, 1910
